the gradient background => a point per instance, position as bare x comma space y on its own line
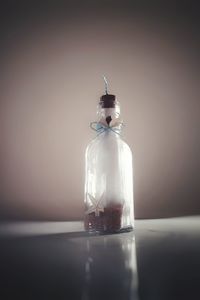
52, 58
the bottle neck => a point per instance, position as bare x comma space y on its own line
108, 120
106, 113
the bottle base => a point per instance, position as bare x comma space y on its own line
108, 221
104, 232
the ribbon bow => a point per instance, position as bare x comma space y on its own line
100, 127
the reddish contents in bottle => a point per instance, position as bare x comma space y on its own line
107, 221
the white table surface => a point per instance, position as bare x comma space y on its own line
58, 260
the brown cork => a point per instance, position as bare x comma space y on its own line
107, 101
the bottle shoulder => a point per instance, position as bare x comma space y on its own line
126, 149
108, 141
126, 145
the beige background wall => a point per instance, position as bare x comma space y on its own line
52, 65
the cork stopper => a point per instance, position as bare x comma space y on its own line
107, 101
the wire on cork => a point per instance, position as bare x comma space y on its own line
107, 100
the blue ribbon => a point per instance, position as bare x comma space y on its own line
100, 128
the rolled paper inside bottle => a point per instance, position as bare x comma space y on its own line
111, 165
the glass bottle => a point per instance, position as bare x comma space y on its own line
108, 173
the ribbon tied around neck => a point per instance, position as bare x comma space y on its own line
101, 127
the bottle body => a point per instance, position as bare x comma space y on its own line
108, 184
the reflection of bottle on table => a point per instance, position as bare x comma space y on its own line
108, 182
110, 268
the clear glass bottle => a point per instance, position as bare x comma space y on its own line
108, 173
